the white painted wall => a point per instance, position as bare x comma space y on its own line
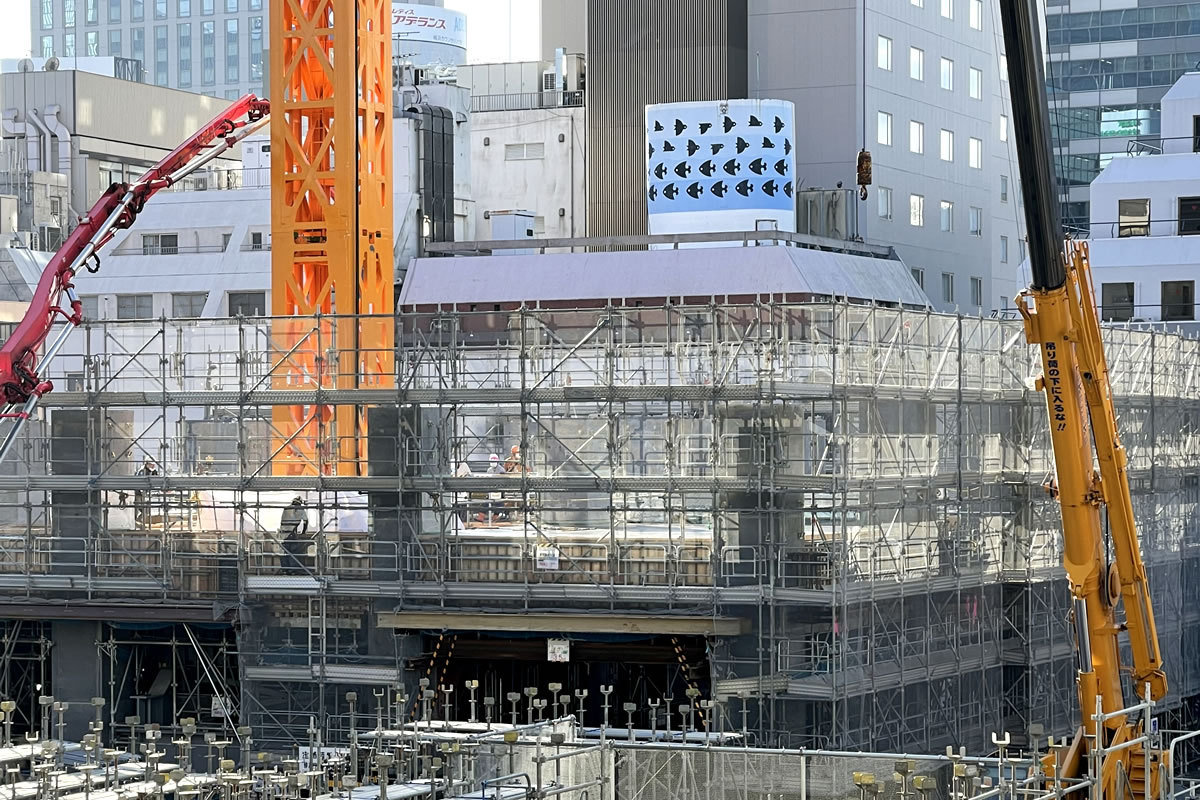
544, 185
199, 218
1179, 105
1149, 261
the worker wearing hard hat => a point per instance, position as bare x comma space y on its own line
293, 524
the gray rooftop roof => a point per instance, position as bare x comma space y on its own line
719, 271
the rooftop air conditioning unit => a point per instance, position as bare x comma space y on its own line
550, 89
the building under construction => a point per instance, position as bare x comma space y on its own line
828, 516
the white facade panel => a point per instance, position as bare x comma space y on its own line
720, 166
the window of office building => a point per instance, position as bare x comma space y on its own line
185, 8
948, 287
254, 5
232, 56
91, 307
188, 305
1003, 188
884, 128
160, 244
947, 145
247, 304
47, 14
1116, 302
47, 46
114, 42
916, 137
884, 198
1178, 300
114, 12
68, 13
208, 53
231, 6
975, 153
976, 220
883, 53
947, 209
1003, 128
948, 9
160, 55
976, 14
137, 10
92, 12
69, 45
137, 44
947, 73
206, 7
184, 35
256, 48
976, 291
1003, 249
135, 306
160, 9
976, 83
918, 275
1133, 217
916, 63
93, 43
916, 210
1189, 216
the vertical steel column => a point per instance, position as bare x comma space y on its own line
331, 141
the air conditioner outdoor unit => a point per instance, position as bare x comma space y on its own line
550, 89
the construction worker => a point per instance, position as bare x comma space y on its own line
141, 500
513, 462
294, 527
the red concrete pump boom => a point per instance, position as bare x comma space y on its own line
20, 362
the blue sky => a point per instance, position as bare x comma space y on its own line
497, 30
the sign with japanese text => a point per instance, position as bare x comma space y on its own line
416, 23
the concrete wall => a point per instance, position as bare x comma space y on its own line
517, 77
543, 185
642, 53
109, 122
564, 24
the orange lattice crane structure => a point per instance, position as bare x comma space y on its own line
331, 225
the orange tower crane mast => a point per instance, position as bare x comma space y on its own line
331, 225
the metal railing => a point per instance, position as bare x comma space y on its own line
1140, 228
523, 101
171, 250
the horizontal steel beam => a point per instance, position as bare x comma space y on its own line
644, 240
749, 393
605, 622
93, 610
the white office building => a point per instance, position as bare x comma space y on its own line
1145, 217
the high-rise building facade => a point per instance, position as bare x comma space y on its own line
1108, 70
213, 47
